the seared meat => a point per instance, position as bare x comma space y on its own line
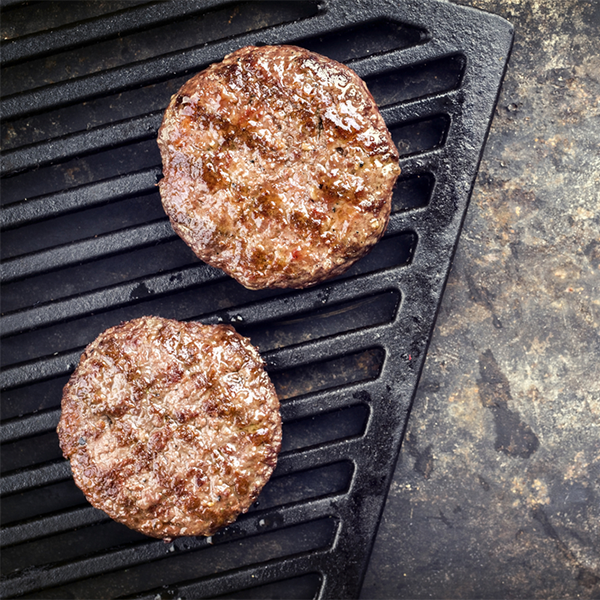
171, 428
278, 167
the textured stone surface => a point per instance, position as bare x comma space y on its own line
497, 488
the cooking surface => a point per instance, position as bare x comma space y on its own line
488, 500
86, 246
497, 489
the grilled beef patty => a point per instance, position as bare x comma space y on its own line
278, 167
171, 428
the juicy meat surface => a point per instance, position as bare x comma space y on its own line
278, 167
171, 428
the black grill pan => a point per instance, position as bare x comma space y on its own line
86, 245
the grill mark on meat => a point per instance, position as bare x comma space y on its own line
171, 428
278, 167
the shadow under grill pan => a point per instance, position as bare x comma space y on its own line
86, 245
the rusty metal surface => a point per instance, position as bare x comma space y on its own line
497, 489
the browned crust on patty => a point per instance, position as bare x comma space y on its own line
278, 167
171, 428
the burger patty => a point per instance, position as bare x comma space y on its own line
278, 167
171, 428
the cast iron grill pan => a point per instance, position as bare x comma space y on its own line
86, 245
